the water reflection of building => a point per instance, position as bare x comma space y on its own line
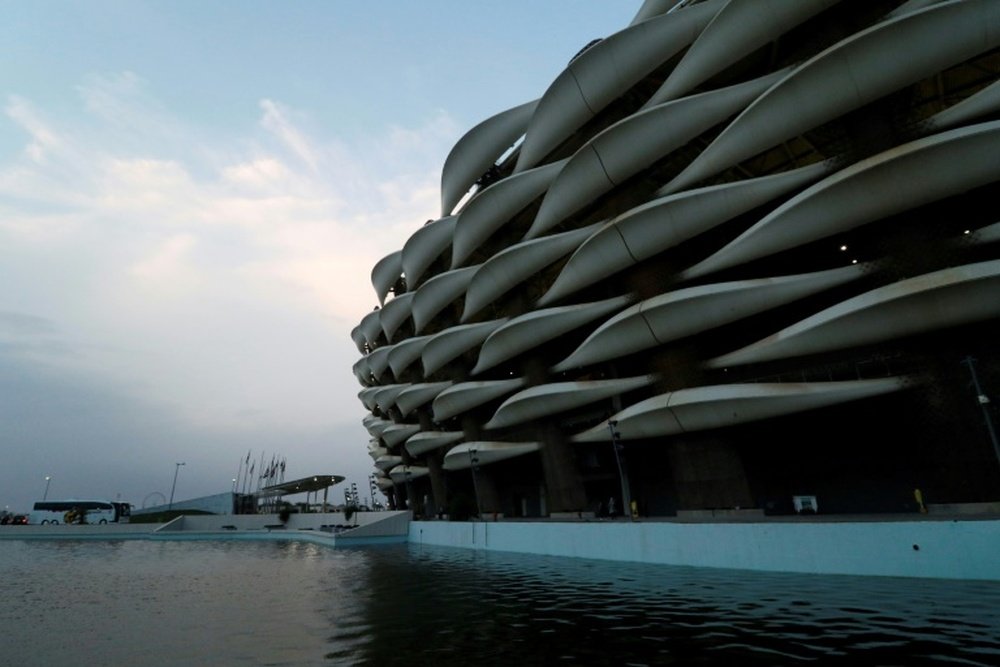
755, 243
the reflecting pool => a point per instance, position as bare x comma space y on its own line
248, 603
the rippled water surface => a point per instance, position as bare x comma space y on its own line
246, 603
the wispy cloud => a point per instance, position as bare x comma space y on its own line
190, 270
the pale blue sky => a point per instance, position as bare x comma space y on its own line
192, 196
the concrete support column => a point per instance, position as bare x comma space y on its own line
438, 488
562, 479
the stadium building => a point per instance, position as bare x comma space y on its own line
740, 255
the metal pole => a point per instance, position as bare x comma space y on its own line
626, 496
177, 467
48, 480
473, 464
984, 402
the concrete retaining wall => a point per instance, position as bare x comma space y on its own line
965, 549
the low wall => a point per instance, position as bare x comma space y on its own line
315, 521
950, 549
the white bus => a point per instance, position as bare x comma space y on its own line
79, 511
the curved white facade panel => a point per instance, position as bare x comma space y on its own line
378, 361
478, 149
988, 234
413, 397
398, 433
633, 144
540, 326
367, 397
405, 352
385, 397
511, 267
703, 408
690, 311
797, 206
428, 441
986, 101
432, 297
362, 371
371, 328
388, 462
426, 245
467, 395
737, 30
386, 273
376, 425
462, 456
492, 208
359, 339
450, 343
550, 399
605, 71
941, 299
858, 70
906, 177
405, 473
663, 223
394, 313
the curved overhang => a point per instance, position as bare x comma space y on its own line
686, 312
376, 425
385, 396
530, 330
987, 234
719, 406
432, 297
867, 65
371, 328
359, 339
416, 395
405, 352
397, 433
633, 144
467, 395
387, 462
394, 313
404, 473
367, 397
362, 371
385, 274
651, 9
451, 343
982, 102
377, 452
461, 457
378, 360
492, 208
951, 297
427, 441
426, 245
550, 399
512, 266
905, 177
384, 483
478, 150
658, 225
736, 31
604, 72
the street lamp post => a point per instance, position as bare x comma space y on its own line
48, 480
626, 496
177, 467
